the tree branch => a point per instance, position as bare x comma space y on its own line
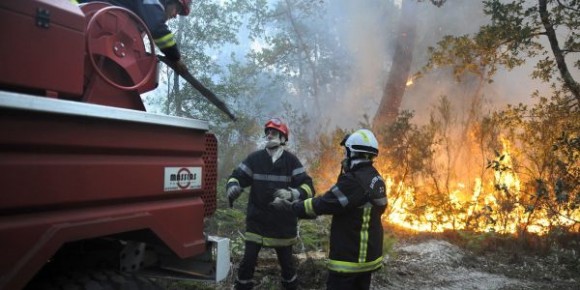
569, 81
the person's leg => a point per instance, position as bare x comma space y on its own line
339, 281
363, 281
247, 266
287, 263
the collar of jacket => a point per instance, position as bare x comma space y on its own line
359, 162
275, 153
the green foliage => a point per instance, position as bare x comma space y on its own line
229, 222
405, 148
514, 37
325, 166
389, 241
314, 234
478, 242
547, 137
532, 162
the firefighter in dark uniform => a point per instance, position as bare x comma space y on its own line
270, 171
356, 203
155, 13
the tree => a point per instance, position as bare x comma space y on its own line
399, 74
515, 36
549, 159
298, 48
401, 66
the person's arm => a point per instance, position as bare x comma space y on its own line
241, 177
301, 182
339, 198
153, 15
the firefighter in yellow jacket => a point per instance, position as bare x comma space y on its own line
356, 203
270, 171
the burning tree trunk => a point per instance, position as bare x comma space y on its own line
395, 87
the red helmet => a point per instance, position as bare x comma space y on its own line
278, 125
184, 7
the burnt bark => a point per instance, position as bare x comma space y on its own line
397, 80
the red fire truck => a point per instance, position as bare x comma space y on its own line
95, 191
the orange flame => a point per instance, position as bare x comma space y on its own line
496, 201
495, 206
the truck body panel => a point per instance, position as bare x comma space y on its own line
87, 175
44, 46
67, 159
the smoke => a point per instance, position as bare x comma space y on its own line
364, 29
367, 29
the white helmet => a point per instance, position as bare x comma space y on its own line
361, 141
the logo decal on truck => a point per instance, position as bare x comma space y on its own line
182, 178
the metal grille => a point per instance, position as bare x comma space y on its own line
210, 180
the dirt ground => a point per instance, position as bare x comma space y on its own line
432, 264
436, 264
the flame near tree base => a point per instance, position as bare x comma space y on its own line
509, 173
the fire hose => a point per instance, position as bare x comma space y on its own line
187, 76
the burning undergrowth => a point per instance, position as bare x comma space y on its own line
513, 172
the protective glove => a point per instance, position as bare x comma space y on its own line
233, 192
282, 204
287, 194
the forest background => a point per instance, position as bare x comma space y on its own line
476, 105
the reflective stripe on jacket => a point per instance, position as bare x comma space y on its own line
270, 242
265, 225
356, 203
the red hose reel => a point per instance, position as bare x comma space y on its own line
116, 47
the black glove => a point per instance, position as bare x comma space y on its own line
233, 192
282, 204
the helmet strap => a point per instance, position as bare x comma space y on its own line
345, 165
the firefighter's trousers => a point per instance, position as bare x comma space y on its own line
248, 265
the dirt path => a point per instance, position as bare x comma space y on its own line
436, 264
432, 264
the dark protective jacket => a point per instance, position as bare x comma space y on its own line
265, 225
356, 203
152, 12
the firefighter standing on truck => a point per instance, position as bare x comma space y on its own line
356, 203
270, 171
155, 13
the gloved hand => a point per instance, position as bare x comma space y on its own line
287, 194
233, 192
282, 204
